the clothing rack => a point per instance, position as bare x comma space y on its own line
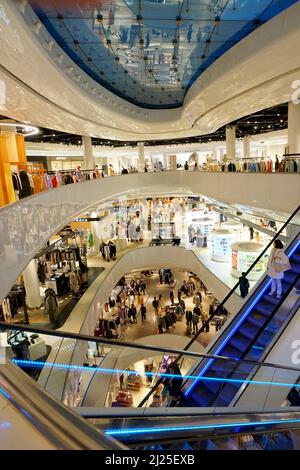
53, 245
291, 155
53, 172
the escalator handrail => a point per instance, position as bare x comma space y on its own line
113, 343
52, 419
201, 330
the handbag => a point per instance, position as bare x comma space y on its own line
280, 268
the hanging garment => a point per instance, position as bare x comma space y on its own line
6, 310
25, 182
51, 306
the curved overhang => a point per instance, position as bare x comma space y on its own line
28, 224
45, 87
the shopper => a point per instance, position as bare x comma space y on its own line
204, 318
189, 317
132, 314
186, 166
172, 297
197, 299
111, 302
121, 378
160, 323
143, 311
196, 168
160, 303
244, 285
173, 384
155, 305
278, 263
196, 318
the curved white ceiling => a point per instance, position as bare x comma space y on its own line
53, 92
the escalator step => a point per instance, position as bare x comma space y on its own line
228, 393
240, 342
255, 354
248, 330
201, 395
295, 267
230, 351
257, 319
265, 309
187, 446
211, 384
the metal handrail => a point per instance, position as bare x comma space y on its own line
137, 346
58, 424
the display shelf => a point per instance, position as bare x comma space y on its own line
221, 245
244, 255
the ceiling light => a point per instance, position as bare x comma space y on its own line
31, 130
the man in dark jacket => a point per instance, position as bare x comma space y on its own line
132, 314
244, 285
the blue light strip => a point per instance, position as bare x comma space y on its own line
4, 393
231, 332
128, 432
38, 364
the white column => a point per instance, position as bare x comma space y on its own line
89, 162
104, 164
247, 140
141, 152
215, 153
173, 162
230, 142
165, 161
294, 128
32, 285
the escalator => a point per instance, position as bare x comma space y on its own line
230, 430
248, 338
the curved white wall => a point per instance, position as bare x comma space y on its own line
29, 223
235, 85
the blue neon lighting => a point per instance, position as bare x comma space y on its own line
4, 393
127, 432
227, 338
25, 363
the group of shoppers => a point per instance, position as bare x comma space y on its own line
108, 250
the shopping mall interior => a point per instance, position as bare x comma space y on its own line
150, 225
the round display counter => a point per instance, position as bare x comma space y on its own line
221, 245
243, 256
205, 225
236, 227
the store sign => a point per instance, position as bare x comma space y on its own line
88, 219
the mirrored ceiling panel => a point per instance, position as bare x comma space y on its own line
149, 52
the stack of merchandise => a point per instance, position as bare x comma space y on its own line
123, 399
134, 382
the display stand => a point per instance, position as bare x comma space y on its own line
221, 243
244, 255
